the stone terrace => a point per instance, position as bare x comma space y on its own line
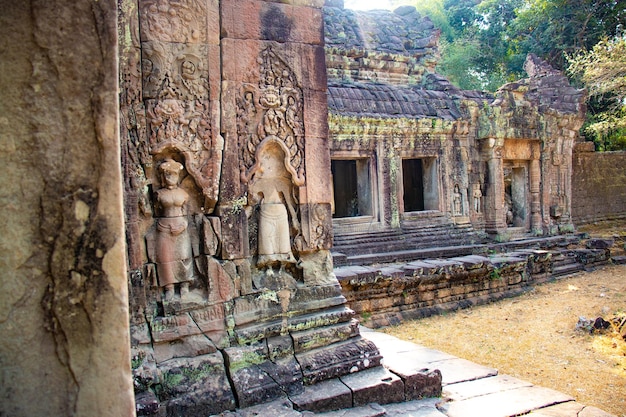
417, 283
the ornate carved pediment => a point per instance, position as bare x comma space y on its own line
273, 110
183, 126
183, 21
175, 71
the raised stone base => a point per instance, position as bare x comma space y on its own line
251, 363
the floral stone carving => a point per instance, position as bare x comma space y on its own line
183, 126
272, 110
183, 21
172, 70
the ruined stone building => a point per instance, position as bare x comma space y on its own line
417, 162
175, 172
230, 208
229, 228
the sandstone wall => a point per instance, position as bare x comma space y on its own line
388, 295
64, 337
598, 185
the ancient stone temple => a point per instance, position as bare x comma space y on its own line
417, 162
229, 199
228, 211
169, 168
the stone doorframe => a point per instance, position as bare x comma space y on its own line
524, 152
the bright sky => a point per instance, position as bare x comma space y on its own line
367, 4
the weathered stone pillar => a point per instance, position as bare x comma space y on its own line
535, 189
227, 173
495, 214
64, 338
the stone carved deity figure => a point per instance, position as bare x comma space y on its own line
477, 195
173, 253
271, 188
458, 201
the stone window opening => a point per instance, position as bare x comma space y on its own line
352, 189
420, 185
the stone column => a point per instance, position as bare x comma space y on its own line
495, 215
64, 335
535, 188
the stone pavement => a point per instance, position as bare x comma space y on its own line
469, 390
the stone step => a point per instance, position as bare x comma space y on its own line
409, 255
342, 256
469, 390
375, 385
373, 243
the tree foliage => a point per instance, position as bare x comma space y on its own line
603, 70
484, 44
507, 30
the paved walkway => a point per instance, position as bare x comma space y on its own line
469, 390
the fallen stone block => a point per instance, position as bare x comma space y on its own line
600, 243
422, 383
342, 358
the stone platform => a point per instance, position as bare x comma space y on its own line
410, 285
469, 390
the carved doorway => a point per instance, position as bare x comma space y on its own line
517, 195
352, 188
420, 185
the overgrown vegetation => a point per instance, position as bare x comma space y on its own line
603, 71
484, 44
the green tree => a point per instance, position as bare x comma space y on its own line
603, 71
497, 35
456, 62
552, 29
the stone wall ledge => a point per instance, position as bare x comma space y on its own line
388, 294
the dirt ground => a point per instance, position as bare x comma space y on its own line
534, 336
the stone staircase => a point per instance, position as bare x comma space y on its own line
420, 382
565, 263
459, 240
428, 237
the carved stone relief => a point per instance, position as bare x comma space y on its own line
183, 126
457, 201
273, 110
477, 196
173, 70
271, 134
316, 227
183, 21
171, 248
272, 198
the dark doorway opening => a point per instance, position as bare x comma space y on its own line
413, 183
352, 187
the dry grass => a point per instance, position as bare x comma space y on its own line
533, 337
